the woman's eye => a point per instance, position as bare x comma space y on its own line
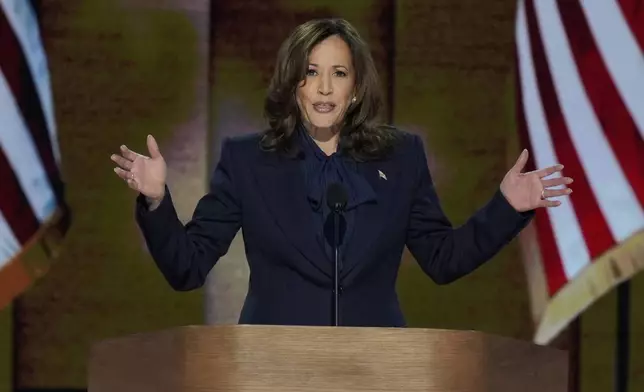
310, 72
341, 74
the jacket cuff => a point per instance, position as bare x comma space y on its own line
504, 212
159, 216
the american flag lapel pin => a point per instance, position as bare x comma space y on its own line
382, 175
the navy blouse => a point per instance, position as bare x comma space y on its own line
319, 171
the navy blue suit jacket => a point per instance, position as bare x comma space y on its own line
290, 283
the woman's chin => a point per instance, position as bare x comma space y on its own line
323, 122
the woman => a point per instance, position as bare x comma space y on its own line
322, 107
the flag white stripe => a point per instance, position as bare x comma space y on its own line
23, 21
9, 245
567, 232
23, 157
621, 53
592, 147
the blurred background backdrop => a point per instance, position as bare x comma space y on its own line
193, 71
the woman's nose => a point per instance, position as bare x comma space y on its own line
325, 87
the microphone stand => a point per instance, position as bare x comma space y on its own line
337, 202
336, 265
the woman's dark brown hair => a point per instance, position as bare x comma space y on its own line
363, 136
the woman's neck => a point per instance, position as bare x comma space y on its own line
326, 138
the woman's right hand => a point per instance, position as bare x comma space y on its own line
144, 174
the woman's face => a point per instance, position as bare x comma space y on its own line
328, 88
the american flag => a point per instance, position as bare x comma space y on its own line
580, 102
32, 206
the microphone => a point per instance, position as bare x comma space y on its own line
336, 198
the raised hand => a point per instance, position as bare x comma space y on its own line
527, 191
144, 174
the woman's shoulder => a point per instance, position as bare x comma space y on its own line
246, 145
247, 149
405, 144
246, 141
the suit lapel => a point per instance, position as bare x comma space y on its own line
371, 218
281, 183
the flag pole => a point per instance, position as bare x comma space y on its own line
574, 357
622, 349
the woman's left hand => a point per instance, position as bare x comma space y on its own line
528, 191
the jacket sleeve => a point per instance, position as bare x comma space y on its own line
185, 254
446, 253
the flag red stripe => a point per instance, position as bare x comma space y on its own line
14, 66
615, 119
14, 204
593, 224
633, 11
551, 260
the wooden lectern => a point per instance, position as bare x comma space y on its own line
284, 359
